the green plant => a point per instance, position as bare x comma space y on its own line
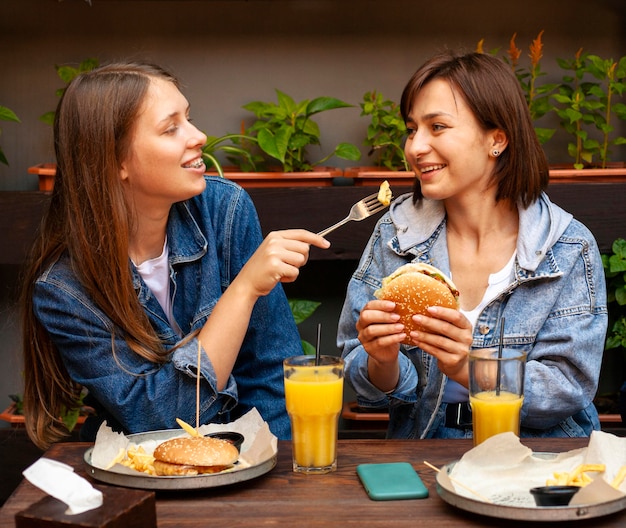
237, 151
587, 96
302, 310
537, 95
285, 130
68, 416
67, 73
615, 271
6, 114
386, 132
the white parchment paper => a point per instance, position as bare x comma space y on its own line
259, 443
503, 470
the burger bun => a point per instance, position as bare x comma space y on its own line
414, 289
185, 456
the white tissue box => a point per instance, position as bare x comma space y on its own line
121, 508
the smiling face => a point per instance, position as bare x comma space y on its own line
164, 164
446, 147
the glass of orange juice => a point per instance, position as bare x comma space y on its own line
314, 398
496, 388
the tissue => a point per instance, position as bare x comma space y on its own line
60, 481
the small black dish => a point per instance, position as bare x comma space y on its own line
230, 436
554, 495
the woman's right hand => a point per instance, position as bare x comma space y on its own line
279, 259
381, 333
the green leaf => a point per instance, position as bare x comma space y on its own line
274, 144
307, 348
6, 114
287, 103
321, 104
348, 151
302, 309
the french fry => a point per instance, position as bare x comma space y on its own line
139, 460
619, 478
188, 428
578, 477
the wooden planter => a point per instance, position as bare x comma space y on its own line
17, 420
615, 172
46, 173
320, 177
374, 176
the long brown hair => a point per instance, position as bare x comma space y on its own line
90, 219
494, 95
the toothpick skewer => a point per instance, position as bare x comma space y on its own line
198, 387
455, 481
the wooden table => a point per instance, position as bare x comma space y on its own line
338, 499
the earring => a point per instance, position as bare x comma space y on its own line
496, 153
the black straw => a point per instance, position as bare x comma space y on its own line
500, 346
317, 346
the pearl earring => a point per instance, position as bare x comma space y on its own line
496, 153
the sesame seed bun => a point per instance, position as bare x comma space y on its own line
194, 456
414, 288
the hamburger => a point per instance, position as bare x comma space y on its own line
415, 287
186, 456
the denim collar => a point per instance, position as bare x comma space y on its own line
185, 239
418, 226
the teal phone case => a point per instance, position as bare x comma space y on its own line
391, 481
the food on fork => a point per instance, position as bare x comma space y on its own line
196, 455
414, 288
384, 193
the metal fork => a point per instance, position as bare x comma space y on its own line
362, 209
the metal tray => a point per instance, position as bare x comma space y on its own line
546, 513
150, 482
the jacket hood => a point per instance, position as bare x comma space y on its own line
540, 226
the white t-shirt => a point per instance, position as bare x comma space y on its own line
455, 392
156, 274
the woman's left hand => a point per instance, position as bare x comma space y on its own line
447, 336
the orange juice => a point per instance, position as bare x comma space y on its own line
314, 398
493, 414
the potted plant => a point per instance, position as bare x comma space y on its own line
6, 114
47, 171
72, 418
588, 102
615, 272
588, 107
386, 133
276, 149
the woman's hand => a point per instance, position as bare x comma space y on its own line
279, 259
380, 333
447, 336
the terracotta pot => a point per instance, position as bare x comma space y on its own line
320, 177
17, 420
374, 176
565, 173
46, 172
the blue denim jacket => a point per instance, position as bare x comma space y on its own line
210, 238
555, 310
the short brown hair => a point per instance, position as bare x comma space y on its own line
493, 93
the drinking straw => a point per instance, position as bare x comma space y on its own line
500, 345
317, 345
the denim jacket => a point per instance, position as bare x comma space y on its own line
555, 310
210, 238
